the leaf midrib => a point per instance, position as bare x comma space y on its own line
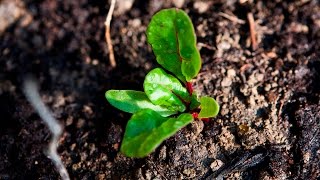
151, 133
177, 38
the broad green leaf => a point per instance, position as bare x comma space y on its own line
165, 90
146, 130
194, 103
172, 37
209, 107
132, 101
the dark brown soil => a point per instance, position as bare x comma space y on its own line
268, 126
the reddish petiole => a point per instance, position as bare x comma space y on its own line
189, 87
195, 116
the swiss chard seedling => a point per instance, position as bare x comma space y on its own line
168, 102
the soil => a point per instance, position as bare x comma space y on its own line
268, 126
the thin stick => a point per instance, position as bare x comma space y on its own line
206, 46
107, 34
31, 92
253, 33
232, 18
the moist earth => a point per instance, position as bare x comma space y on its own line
268, 126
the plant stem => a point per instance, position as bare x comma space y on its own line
195, 115
205, 119
189, 87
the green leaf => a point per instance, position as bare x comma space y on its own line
209, 107
165, 90
194, 102
132, 101
171, 35
146, 130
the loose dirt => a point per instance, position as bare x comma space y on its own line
268, 126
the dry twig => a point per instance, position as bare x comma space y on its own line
31, 92
232, 18
200, 44
253, 33
107, 34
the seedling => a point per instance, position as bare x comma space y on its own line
168, 102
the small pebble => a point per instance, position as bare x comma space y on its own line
215, 165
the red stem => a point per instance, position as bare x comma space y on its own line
205, 119
189, 87
195, 115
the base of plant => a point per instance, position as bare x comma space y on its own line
195, 115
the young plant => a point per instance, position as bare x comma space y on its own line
168, 102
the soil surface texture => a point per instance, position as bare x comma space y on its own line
261, 61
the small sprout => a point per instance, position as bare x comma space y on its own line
168, 102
